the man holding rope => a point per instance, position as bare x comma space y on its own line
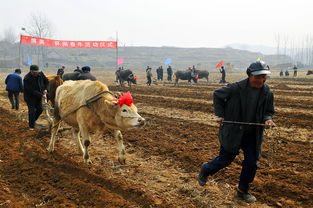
247, 102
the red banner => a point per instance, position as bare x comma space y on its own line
67, 44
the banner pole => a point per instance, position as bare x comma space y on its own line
116, 50
19, 53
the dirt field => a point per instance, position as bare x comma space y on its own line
163, 158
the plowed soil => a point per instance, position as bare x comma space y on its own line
163, 158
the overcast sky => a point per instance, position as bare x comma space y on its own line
180, 23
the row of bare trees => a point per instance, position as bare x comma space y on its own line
38, 26
299, 50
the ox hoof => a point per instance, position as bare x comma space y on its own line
50, 150
89, 162
122, 161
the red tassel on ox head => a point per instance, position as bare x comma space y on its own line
196, 77
125, 98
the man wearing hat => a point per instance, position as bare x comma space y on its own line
86, 74
249, 101
35, 87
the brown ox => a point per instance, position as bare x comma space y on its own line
102, 112
309, 72
54, 82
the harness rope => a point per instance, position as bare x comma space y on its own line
87, 103
210, 120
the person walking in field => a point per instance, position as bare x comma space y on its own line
35, 88
149, 75
14, 85
223, 72
249, 100
295, 71
60, 71
169, 73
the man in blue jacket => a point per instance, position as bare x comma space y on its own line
14, 87
35, 87
249, 101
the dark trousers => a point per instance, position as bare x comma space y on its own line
223, 80
249, 164
169, 77
34, 111
15, 102
149, 80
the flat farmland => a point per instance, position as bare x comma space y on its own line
163, 157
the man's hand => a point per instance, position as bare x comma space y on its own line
269, 124
220, 120
45, 94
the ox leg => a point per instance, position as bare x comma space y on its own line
47, 111
76, 135
86, 142
54, 131
120, 146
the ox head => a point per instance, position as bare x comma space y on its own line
126, 112
132, 78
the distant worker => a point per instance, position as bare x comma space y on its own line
149, 75
281, 73
223, 72
14, 85
169, 73
295, 71
78, 70
86, 74
60, 71
35, 88
287, 73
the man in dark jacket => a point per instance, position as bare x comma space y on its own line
14, 87
86, 74
250, 101
169, 73
35, 87
60, 71
223, 72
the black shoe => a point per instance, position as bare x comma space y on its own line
202, 178
246, 196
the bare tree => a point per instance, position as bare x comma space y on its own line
39, 26
9, 36
8, 46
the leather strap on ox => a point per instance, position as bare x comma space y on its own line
88, 103
96, 97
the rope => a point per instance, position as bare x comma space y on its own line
87, 103
210, 120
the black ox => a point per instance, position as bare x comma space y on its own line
125, 76
71, 76
186, 75
203, 74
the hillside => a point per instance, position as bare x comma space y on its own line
136, 58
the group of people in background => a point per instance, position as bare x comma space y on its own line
159, 72
286, 73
